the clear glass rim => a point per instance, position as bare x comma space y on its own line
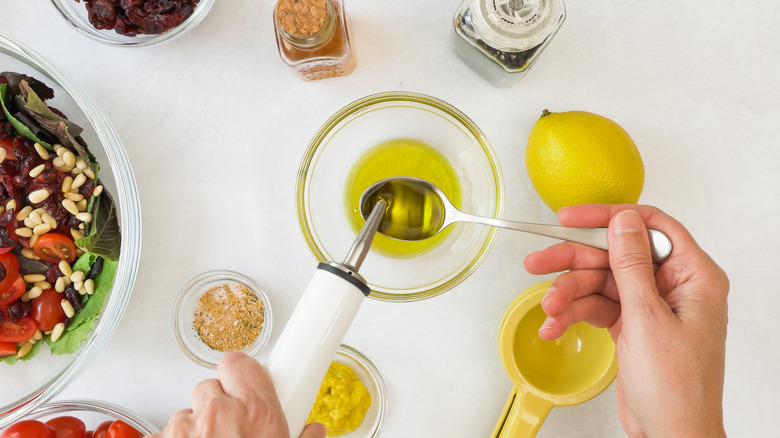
373, 372
200, 12
126, 196
380, 98
110, 409
222, 274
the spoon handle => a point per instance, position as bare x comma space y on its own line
660, 245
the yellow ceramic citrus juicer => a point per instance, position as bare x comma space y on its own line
569, 370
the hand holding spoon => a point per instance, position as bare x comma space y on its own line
419, 210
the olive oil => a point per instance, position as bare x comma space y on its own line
415, 211
401, 157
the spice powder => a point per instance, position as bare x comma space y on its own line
228, 317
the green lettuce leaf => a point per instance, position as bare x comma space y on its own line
84, 322
104, 238
11, 360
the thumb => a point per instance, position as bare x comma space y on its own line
631, 262
313, 430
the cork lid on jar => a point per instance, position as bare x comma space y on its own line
302, 18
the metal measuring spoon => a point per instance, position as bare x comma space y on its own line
419, 210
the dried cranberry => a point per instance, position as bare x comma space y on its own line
2, 272
53, 273
7, 218
6, 241
132, 17
18, 310
73, 298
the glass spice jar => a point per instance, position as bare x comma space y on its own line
501, 39
313, 37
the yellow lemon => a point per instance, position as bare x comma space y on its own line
577, 157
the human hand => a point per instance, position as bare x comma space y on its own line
242, 403
668, 321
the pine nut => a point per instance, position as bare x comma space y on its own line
24, 349
25, 297
82, 292
3, 154
58, 162
10, 205
59, 285
65, 268
60, 150
38, 196
23, 213
76, 234
77, 276
78, 181
41, 229
28, 253
75, 197
98, 190
32, 278
67, 308
81, 164
57, 331
31, 341
38, 335
81, 227
42, 151
89, 285
69, 158
66, 183
76, 171
34, 292
48, 219
29, 223
70, 206
24, 232
84, 217
82, 205
37, 170
2, 209
79, 286
90, 174
35, 217
42, 284
34, 239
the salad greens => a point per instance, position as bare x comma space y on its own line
35, 120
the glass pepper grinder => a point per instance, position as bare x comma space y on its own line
501, 39
313, 37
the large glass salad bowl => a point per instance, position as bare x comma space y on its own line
28, 383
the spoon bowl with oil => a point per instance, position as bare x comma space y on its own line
419, 210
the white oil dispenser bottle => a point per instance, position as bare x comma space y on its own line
309, 341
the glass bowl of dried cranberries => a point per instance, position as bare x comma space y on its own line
140, 23
70, 230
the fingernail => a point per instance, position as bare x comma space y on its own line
627, 221
547, 325
546, 298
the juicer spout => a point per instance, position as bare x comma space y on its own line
357, 253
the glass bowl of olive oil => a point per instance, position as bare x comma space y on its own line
400, 134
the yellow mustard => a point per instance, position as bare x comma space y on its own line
341, 402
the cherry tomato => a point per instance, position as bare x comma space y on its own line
90, 433
14, 292
11, 265
27, 429
120, 429
67, 427
7, 349
17, 331
100, 431
53, 247
46, 309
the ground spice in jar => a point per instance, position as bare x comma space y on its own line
302, 18
228, 317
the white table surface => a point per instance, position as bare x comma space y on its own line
215, 126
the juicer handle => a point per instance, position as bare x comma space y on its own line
301, 357
522, 416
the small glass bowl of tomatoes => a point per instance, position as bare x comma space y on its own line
79, 419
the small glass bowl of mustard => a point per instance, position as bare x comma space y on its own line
242, 320
369, 376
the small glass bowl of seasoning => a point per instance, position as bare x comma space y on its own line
218, 312
113, 25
